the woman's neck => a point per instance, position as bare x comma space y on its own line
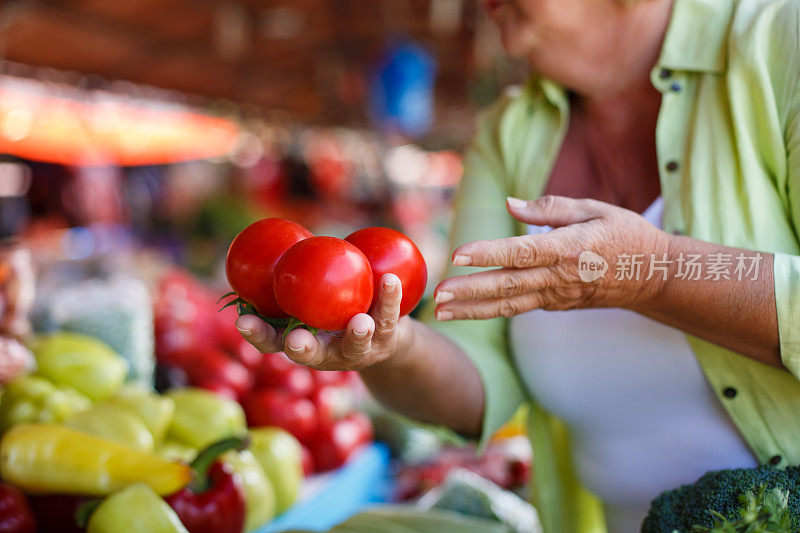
611, 57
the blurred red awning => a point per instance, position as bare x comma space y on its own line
42, 126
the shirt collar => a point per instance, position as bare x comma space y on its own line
697, 36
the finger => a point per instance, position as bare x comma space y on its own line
490, 308
258, 333
387, 309
357, 338
518, 252
555, 211
302, 347
500, 283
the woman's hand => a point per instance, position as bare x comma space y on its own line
542, 271
369, 339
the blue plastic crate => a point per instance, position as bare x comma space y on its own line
334, 497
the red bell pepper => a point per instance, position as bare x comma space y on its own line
214, 501
15, 513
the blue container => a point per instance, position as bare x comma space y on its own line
333, 498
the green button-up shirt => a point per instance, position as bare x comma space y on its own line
728, 141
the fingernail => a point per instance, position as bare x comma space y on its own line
389, 286
359, 333
516, 203
444, 296
245, 332
296, 349
462, 260
444, 315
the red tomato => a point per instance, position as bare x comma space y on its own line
332, 403
279, 408
334, 444
328, 377
247, 354
214, 370
308, 461
251, 260
296, 380
323, 282
270, 369
228, 337
389, 251
219, 389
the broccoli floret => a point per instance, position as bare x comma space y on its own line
764, 512
719, 492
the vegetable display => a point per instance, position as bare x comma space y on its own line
224, 444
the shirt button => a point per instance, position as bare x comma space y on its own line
729, 392
775, 460
672, 166
664, 73
675, 87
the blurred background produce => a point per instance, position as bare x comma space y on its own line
136, 140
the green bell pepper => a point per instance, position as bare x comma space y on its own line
35, 399
259, 495
135, 509
81, 362
114, 423
281, 457
156, 411
202, 417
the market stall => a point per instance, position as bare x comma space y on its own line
130, 402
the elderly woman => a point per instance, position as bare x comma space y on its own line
645, 184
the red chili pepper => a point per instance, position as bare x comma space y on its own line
15, 513
214, 501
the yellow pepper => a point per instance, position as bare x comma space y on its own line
84, 363
202, 417
259, 496
46, 458
155, 410
135, 509
113, 423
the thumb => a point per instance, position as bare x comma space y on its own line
555, 211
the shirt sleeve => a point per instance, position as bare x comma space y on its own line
786, 267
480, 214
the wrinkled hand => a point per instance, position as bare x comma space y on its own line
368, 339
541, 271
